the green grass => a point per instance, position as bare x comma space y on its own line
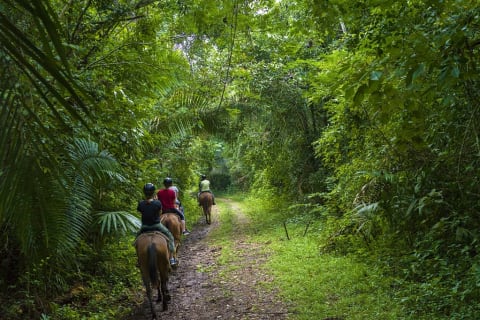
313, 284
323, 285
222, 236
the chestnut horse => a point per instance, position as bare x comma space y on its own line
152, 252
173, 223
206, 201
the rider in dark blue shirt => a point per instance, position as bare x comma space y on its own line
150, 209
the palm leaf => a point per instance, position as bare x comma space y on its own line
18, 45
20, 48
117, 222
87, 166
90, 162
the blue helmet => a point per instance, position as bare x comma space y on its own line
167, 182
149, 189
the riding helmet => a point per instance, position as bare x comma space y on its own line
203, 177
149, 189
167, 181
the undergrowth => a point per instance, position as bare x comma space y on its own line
102, 286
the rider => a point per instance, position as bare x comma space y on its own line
204, 186
168, 198
178, 204
150, 209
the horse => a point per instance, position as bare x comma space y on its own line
173, 223
152, 252
206, 201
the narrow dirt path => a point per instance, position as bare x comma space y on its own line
198, 289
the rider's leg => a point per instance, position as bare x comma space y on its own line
171, 242
213, 197
182, 219
184, 227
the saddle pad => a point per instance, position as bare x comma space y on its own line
149, 234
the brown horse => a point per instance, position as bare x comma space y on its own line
174, 224
206, 201
152, 252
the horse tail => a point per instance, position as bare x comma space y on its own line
152, 263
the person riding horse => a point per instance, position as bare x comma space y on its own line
150, 209
168, 198
178, 204
204, 186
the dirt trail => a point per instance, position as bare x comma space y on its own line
198, 292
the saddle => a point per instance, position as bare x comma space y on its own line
147, 233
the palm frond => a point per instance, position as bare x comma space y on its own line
35, 61
87, 168
177, 120
32, 76
10, 153
89, 161
117, 222
365, 218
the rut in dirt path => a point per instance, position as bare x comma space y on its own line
202, 289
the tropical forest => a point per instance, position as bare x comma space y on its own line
341, 139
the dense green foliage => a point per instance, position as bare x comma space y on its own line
363, 114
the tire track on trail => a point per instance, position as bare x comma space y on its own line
201, 291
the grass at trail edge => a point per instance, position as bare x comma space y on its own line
315, 285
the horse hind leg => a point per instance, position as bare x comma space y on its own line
165, 293
208, 214
153, 273
205, 213
159, 295
150, 302
164, 272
